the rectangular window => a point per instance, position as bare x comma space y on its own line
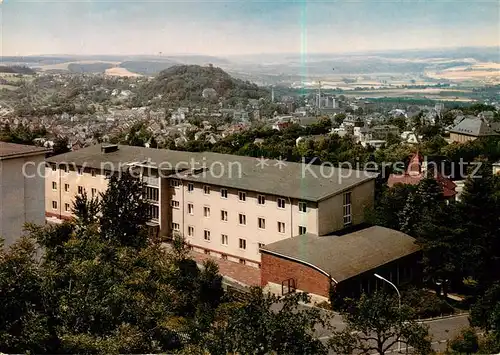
261, 245
176, 226
206, 190
153, 212
243, 262
80, 190
66, 187
206, 235
262, 223
242, 196
190, 208
281, 203
175, 204
243, 244
206, 211
261, 199
65, 168
190, 231
302, 230
54, 185
242, 219
80, 171
223, 215
223, 193
54, 205
94, 192
224, 239
152, 194
281, 227
174, 183
302, 206
347, 209
93, 172
223, 256
54, 167
190, 187
207, 252
66, 207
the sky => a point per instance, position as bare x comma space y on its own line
238, 27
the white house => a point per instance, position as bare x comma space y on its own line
22, 188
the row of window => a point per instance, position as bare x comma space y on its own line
242, 218
242, 196
67, 206
224, 239
79, 171
281, 228
80, 189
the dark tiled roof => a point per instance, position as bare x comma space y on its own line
11, 150
292, 180
349, 255
477, 127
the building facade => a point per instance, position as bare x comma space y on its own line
229, 217
22, 190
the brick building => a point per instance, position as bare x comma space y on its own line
347, 262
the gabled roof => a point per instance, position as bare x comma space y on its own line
346, 256
477, 127
415, 173
12, 150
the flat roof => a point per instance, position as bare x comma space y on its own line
13, 150
348, 255
294, 180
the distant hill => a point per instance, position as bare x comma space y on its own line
16, 69
187, 82
149, 68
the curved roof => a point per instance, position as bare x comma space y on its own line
346, 256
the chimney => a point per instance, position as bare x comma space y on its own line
109, 148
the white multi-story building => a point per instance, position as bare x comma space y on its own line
22, 190
224, 205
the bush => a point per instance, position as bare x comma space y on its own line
425, 303
466, 342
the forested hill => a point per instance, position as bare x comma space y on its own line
16, 69
187, 82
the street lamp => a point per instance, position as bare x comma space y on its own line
399, 297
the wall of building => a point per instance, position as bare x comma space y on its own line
331, 210
276, 270
21, 195
173, 212
74, 179
251, 233
461, 138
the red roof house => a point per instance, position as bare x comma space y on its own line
416, 171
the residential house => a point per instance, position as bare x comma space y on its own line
224, 205
417, 170
471, 128
22, 188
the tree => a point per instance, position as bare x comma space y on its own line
86, 210
376, 324
23, 324
485, 312
124, 222
265, 324
61, 145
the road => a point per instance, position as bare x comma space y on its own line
441, 330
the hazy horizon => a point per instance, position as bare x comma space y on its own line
243, 28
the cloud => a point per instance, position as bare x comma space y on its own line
243, 27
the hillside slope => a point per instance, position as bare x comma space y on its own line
187, 82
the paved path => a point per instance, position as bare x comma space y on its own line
441, 330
